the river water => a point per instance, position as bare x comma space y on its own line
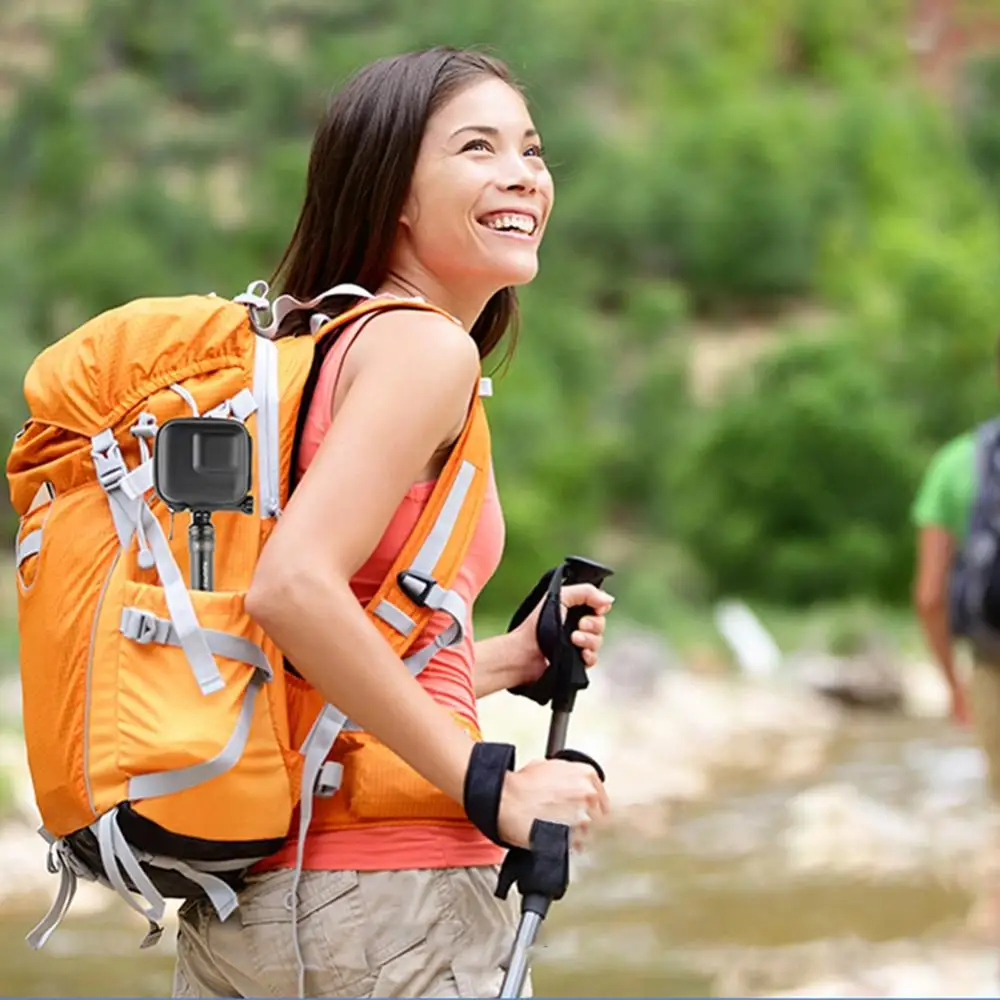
853, 877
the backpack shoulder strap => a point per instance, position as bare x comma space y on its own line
421, 578
419, 583
322, 331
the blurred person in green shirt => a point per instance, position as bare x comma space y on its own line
957, 598
941, 512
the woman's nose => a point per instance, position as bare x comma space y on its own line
517, 176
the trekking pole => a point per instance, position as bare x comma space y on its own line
542, 873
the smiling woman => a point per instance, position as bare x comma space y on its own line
426, 181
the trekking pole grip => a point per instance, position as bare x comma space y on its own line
565, 673
570, 670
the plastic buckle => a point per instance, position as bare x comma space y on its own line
140, 627
148, 626
145, 426
329, 779
416, 586
109, 464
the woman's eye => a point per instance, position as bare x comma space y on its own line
476, 145
536, 150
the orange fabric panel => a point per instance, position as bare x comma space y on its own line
65, 581
93, 377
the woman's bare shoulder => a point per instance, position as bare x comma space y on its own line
418, 342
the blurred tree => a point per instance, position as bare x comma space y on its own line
713, 160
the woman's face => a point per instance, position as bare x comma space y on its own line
481, 194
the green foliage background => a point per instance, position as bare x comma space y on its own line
716, 163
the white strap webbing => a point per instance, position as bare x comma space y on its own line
68, 881
424, 563
266, 392
182, 614
315, 748
134, 515
256, 297
28, 546
117, 854
114, 849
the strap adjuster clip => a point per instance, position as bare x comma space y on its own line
417, 586
110, 467
140, 626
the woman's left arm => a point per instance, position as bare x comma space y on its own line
513, 658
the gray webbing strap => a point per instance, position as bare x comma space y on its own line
151, 786
139, 481
453, 605
131, 516
144, 627
28, 546
41, 932
111, 470
430, 552
256, 297
315, 748
115, 849
238, 407
437, 599
421, 570
331, 775
393, 616
416, 662
182, 614
266, 392
222, 896
228, 865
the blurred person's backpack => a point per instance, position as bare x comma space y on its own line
155, 715
975, 575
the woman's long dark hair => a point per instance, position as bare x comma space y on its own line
360, 169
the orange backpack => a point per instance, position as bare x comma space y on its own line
155, 715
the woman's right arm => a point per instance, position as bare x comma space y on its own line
411, 379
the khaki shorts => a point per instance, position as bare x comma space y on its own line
427, 933
984, 697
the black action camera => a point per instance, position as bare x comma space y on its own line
203, 464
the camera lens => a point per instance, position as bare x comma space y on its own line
214, 452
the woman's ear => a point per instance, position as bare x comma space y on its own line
409, 213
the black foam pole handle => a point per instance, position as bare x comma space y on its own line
571, 672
